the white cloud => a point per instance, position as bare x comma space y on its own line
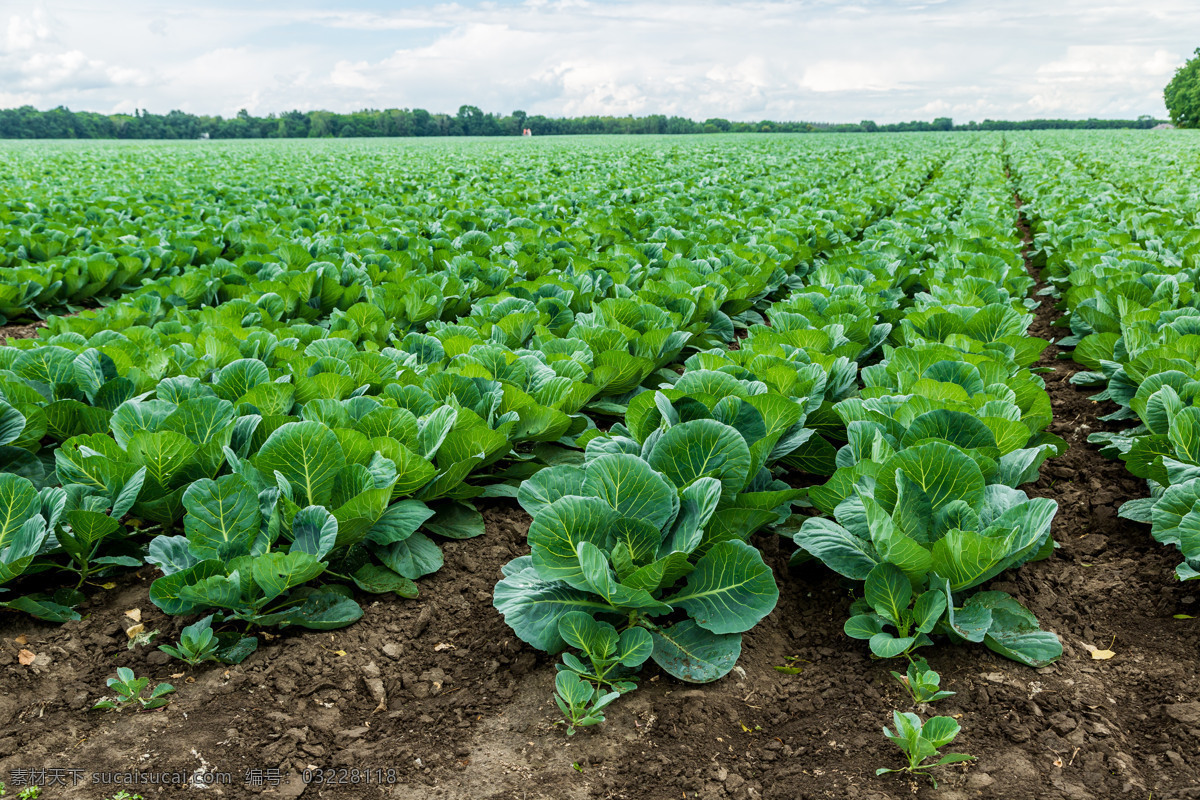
36, 64
1095, 78
25, 33
742, 59
848, 75
368, 21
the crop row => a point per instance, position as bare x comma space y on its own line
938, 432
1120, 253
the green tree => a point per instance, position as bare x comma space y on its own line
1182, 94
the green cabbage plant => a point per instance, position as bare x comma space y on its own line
632, 538
927, 525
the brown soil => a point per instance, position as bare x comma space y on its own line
465, 709
22, 331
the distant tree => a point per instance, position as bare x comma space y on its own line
61, 123
1182, 94
472, 121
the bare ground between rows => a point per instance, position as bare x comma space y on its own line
20, 331
465, 709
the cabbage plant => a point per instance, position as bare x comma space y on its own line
928, 523
629, 539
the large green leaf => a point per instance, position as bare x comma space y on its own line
863, 626
837, 548
698, 503
308, 455
321, 611
635, 545
381, 580
18, 503
359, 514
730, 590
583, 632
632, 488
139, 416
956, 427
202, 419
548, 485
599, 578
41, 608
691, 653
168, 592
412, 557
314, 531
164, 454
1168, 513
170, 554
703, 448
942, 472
970, 622
555, 533
1185, 434
889, 591
12, 423
222, 517
399, 522
276, 573
532, 606
968, 558
89, 527
456, 520
1014, 632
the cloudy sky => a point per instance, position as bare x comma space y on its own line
815, 60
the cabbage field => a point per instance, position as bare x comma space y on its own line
601, 468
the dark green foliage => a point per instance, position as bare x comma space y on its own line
1182, 94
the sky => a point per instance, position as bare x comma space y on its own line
811, 60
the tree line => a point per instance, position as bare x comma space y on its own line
28, 122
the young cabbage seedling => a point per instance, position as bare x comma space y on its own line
922, 683
920, 741
197, 643
612, 658
580, 702
129, 692
888, 598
